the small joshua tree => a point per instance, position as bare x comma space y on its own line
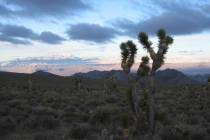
128, 52
110, 85
30, 84
78, 83
105, 87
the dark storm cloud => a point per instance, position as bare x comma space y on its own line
47, 7
21, 35
177, 18
91, 32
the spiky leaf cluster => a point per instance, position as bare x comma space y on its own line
128, 52
144, 68
164, 42
161, 34
144, 40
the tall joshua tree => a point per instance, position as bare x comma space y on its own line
158, 59
128, 52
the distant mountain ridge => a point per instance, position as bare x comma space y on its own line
174, 77
118, 74
43, 73
163, 77
201, 78
167, 76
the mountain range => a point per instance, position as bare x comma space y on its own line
163, 77
167, 76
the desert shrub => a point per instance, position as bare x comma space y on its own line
71, 109
111, 99
14, 103
116, 137
208, 130
104, 114
94, 102
37, 122
44, 136
19, 115
4, 110
170, 133
25, 107
74, 116
161, 117
206, 115
44, 111
76, 101
125, 120
80, 131
193, 120
49, 122
198, 134
7, 125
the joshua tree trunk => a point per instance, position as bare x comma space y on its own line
134, 96
151, 104
133, 85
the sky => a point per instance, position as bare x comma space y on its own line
85, 35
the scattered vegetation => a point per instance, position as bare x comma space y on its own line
66, 113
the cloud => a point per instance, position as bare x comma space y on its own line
5, 12
176, 17
14, 40
191, 53
50, 38
48, 61
57, 65
52, 8
91, 32
17, 31
21, 35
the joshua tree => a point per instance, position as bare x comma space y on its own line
128, 52
158, 59
110, 85
30, 84
78, 82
